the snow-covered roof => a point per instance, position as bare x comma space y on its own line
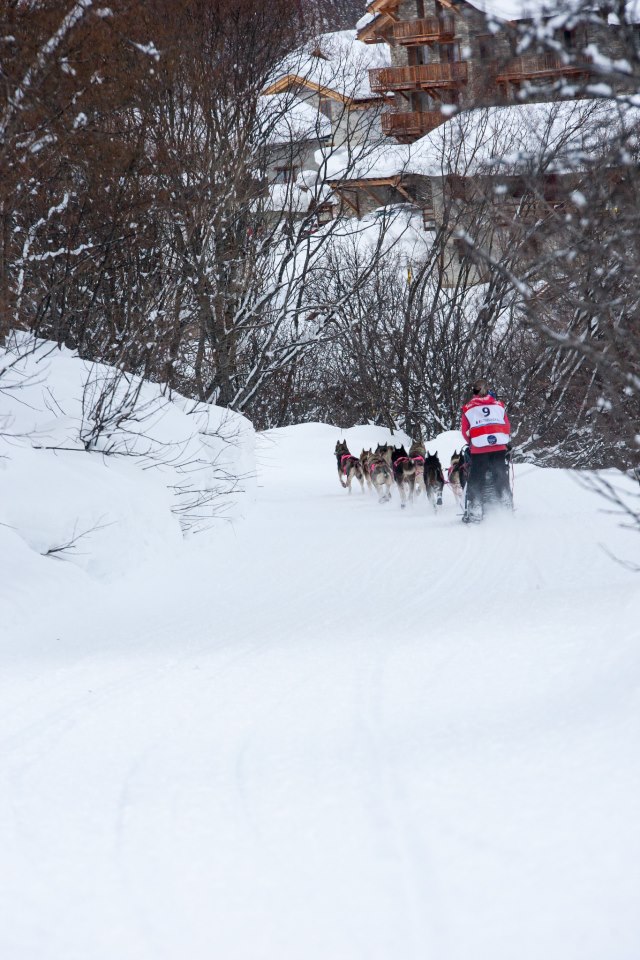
286, 119
336, 62
365, 21
524, 9
496, 140
515, 9
542, 9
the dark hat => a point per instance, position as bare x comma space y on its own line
480, 388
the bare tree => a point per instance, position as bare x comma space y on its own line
578, 227
69, 152
242, 253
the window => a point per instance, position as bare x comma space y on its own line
325, 213
450, 52
485, 48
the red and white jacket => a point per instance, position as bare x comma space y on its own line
485, 424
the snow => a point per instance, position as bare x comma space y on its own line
364, 21
289, 120
288, 196
536, 10
338, 62
515, 9
631, 13
328, 728
547, 9
507, 139
149, 476
511, 9
149, 49
394, 230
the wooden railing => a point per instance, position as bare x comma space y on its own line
411, 125
541, 65
427, 30
421, 76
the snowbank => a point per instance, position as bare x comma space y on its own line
104, 470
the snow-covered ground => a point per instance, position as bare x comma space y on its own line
326, 729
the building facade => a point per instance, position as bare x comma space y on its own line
450, 56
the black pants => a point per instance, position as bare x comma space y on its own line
488, 480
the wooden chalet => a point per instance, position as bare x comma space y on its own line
444, 54
457, 175
448, 60
325, 96
333, 79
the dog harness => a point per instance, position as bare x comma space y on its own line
343, 465
417, 459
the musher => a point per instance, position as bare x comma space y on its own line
485, 427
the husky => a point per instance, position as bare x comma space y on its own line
384, 450
348, 467
457, 476
404, 474
378, 474
365, 460
433, 479
417, 453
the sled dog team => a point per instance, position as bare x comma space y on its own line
481, 468
413, 473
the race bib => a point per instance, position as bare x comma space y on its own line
486, 415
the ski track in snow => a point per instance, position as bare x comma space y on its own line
334, 730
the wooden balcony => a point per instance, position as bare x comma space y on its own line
536, 68
427, 30
407, 127
424, 76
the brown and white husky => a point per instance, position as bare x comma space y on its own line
417, 453
378, 473
365, 460
404, 474
457, 476
384, 450
348, 467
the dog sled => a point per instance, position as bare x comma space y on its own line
487, 484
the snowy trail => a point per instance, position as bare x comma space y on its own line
338, 730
